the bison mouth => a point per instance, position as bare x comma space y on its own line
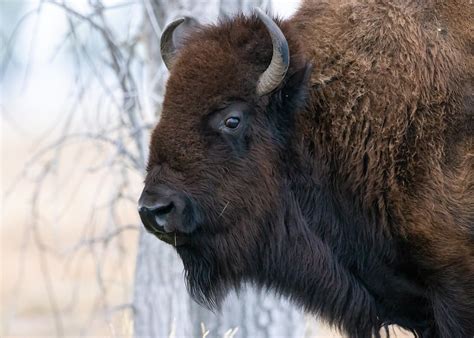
172, 238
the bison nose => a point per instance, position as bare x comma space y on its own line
156, 216
160, 210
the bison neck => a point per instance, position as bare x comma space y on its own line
338, 262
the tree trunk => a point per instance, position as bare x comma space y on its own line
162, 307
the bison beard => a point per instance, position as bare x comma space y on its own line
289, 260
345, 181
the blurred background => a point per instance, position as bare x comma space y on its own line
81, 87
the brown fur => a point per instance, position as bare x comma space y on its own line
396, 81
386, 126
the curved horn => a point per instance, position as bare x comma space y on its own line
276, 71
168, 49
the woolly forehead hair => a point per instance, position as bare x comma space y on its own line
241, 41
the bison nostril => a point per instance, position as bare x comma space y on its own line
161, 213
155, 217
163, 210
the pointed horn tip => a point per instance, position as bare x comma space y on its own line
167, 47
178, 21
263, 15
183, 19
259, 11
173, 24
278, 67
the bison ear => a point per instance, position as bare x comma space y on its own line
294, 93
174, 36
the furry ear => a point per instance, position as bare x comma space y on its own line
295, 90
288, 100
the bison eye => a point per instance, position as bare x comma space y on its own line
232, 122
229, 120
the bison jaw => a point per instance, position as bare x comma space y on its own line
172, 238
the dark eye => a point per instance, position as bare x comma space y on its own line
232, 122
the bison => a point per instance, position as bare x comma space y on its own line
328, 157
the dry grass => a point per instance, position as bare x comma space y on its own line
90, 281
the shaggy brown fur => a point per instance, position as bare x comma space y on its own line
350, 189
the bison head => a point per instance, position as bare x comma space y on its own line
221, 155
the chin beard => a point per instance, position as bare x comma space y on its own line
218, 263
203, 282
